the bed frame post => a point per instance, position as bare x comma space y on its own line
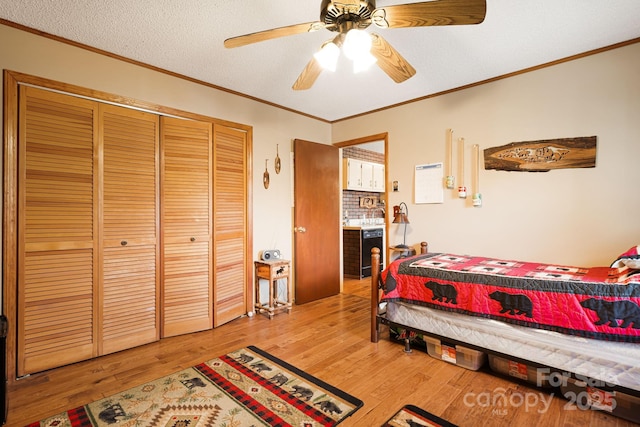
375, 292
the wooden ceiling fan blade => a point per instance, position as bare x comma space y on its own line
390, 61
309, 75
430, 13
273, 34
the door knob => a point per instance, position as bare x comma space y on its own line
300, 229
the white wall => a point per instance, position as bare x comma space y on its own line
571, 216
27, 53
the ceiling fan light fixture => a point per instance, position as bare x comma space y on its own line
327, 56
357, 47
349, 18
356, 43
363, 62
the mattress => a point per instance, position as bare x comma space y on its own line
614, 363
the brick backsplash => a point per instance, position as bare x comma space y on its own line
360, 154
350, 198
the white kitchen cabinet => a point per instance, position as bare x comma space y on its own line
352, 174
366, 172
361, 175
378, 178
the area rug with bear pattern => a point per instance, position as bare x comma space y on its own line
247, 387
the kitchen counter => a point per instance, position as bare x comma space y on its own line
363, 224
362, 227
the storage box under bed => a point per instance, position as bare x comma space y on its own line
456, 354
589, 394
523, 371
441, 350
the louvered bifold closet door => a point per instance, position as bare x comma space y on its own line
130, 288
230, 223
57, 211
187, 302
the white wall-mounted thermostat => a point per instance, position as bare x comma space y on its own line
270, 254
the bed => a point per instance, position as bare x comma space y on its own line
580, 323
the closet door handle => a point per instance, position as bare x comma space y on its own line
123, 243
193, 239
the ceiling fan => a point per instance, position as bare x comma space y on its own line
342, 16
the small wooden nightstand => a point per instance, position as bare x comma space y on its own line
396, 253
272, 271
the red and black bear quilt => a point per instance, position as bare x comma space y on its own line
597, 302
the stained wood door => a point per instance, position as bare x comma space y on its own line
316, 220
187, 287
130, 252
230, 223
57, 296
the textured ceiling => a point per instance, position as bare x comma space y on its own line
186, 37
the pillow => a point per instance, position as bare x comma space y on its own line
630, 259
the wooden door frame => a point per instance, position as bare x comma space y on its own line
12, 80
373, 138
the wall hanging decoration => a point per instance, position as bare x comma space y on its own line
265, 176
278, 163
368, 202
543, 155
450, 181
477, 197
462, 190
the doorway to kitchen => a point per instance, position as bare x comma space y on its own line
364, 205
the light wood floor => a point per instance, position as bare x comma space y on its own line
328, 339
